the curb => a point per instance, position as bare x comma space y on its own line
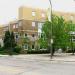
62, 60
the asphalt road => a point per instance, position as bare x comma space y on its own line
34, 65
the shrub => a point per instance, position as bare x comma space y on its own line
37, 48
38, 51
70, 51
17, 49
1, 48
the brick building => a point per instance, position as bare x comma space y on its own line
29, 24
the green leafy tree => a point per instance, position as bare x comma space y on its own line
42, 41
7, 40
13, 43
46, 30
60, 33
71, 27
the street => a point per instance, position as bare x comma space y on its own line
34, 65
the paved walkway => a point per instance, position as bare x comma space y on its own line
64, 57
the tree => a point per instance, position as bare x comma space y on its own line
46, 30
42, 41
12, 37
60, 33
71, 27
7, 40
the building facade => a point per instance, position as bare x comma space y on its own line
27, 28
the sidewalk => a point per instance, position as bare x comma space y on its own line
3, 55
64, 57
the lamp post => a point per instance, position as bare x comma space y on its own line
51, 29
51, 8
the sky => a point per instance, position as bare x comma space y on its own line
9, 8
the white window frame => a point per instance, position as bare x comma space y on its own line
14, 26
34, 46
25, 45
16, 35
43, 15
6, 29
20, 23
40, 24
33, 35
24, 35
33, 24
33, 13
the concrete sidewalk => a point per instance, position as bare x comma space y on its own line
64, 57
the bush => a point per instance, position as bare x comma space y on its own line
1, 48
5, 51
38, 51
17, 49
37, 48
70, 51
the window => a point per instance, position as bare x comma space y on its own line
14, 26
40, 27
41, 47
20, 23
33, 13
41, 35
6, 29
43, 15
33, 24
16, 36
25, 35
26, 46
33, 46
33, 35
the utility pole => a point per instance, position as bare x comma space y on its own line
51, 30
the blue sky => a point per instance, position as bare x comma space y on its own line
9, 8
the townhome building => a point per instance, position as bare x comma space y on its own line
27, 28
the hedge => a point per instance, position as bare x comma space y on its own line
38, 51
